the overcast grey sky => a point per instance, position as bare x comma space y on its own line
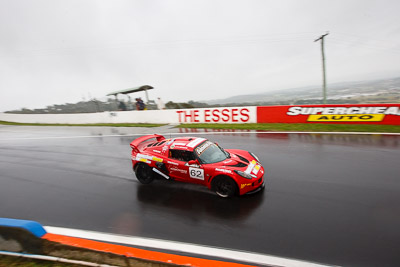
58, 51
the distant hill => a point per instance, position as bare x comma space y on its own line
386, 90
379, 91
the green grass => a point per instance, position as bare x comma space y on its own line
273, 127
93, 124
298, 127
11, 261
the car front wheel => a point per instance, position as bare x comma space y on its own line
144, 173
224, 187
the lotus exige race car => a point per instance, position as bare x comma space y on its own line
199, 161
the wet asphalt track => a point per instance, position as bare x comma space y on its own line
333, 199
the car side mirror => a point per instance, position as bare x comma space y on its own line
193, 162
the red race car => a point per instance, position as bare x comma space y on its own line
199, 161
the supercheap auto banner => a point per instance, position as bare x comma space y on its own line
345, 114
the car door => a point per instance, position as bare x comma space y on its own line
180, 169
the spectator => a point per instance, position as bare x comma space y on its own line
160, 104
140, 104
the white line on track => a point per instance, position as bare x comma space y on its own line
242, 256
222, 132
190, 133
69, 137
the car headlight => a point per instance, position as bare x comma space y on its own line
243, 174
254, 156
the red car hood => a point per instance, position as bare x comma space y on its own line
239, 159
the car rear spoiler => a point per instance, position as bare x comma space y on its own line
134, 144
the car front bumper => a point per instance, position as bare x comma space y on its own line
258, 189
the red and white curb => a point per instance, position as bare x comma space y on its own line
173, 246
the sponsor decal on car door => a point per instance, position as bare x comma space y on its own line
177, 169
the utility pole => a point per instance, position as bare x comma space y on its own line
323, 65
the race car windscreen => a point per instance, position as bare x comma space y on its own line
209, 152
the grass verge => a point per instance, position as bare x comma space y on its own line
12, 261
93, 124
273, 127
298, 127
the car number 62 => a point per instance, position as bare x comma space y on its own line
196, 173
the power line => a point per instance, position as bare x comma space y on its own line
233, 40
378, 47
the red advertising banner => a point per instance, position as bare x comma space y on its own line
343, 114
217, 115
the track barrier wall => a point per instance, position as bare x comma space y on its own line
201, 115
388, 114
344, 114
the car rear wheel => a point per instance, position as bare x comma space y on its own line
224, 187
144, 173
